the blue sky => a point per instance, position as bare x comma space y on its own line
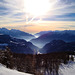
61, 13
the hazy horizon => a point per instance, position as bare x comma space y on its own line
36, 32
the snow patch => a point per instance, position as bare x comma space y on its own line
5, 44
68, 69
14, 42
6, 71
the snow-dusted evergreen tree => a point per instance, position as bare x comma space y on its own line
7, 58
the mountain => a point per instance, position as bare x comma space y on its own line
58, 46
17, 45
41, 33
17, 34
45, 32
66, 35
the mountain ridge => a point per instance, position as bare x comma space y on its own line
58, 46
66, 35
17, 34
17, 45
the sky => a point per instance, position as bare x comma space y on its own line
33, 16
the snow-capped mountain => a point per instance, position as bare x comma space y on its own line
17, 34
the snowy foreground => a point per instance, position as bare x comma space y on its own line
6, 71
68, 69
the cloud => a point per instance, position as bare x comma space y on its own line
72, 26
13, 11
16, 25
61, 8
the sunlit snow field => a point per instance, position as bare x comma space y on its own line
64, 69
6, 71
68, 69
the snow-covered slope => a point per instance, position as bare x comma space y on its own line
6, 71
68, 69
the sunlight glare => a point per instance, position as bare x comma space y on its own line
36, 7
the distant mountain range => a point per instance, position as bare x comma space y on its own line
17, 34
48, 41
47, 36
45, 32
24, 47
17, 45
41, 33
58, 46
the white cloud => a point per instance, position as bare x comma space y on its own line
58, 7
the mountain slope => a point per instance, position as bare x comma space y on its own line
17, 45
57, 31
66, 35
41, 33
57, 46
16, 33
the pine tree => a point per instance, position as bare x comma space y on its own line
8, 58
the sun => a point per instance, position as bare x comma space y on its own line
36, 7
